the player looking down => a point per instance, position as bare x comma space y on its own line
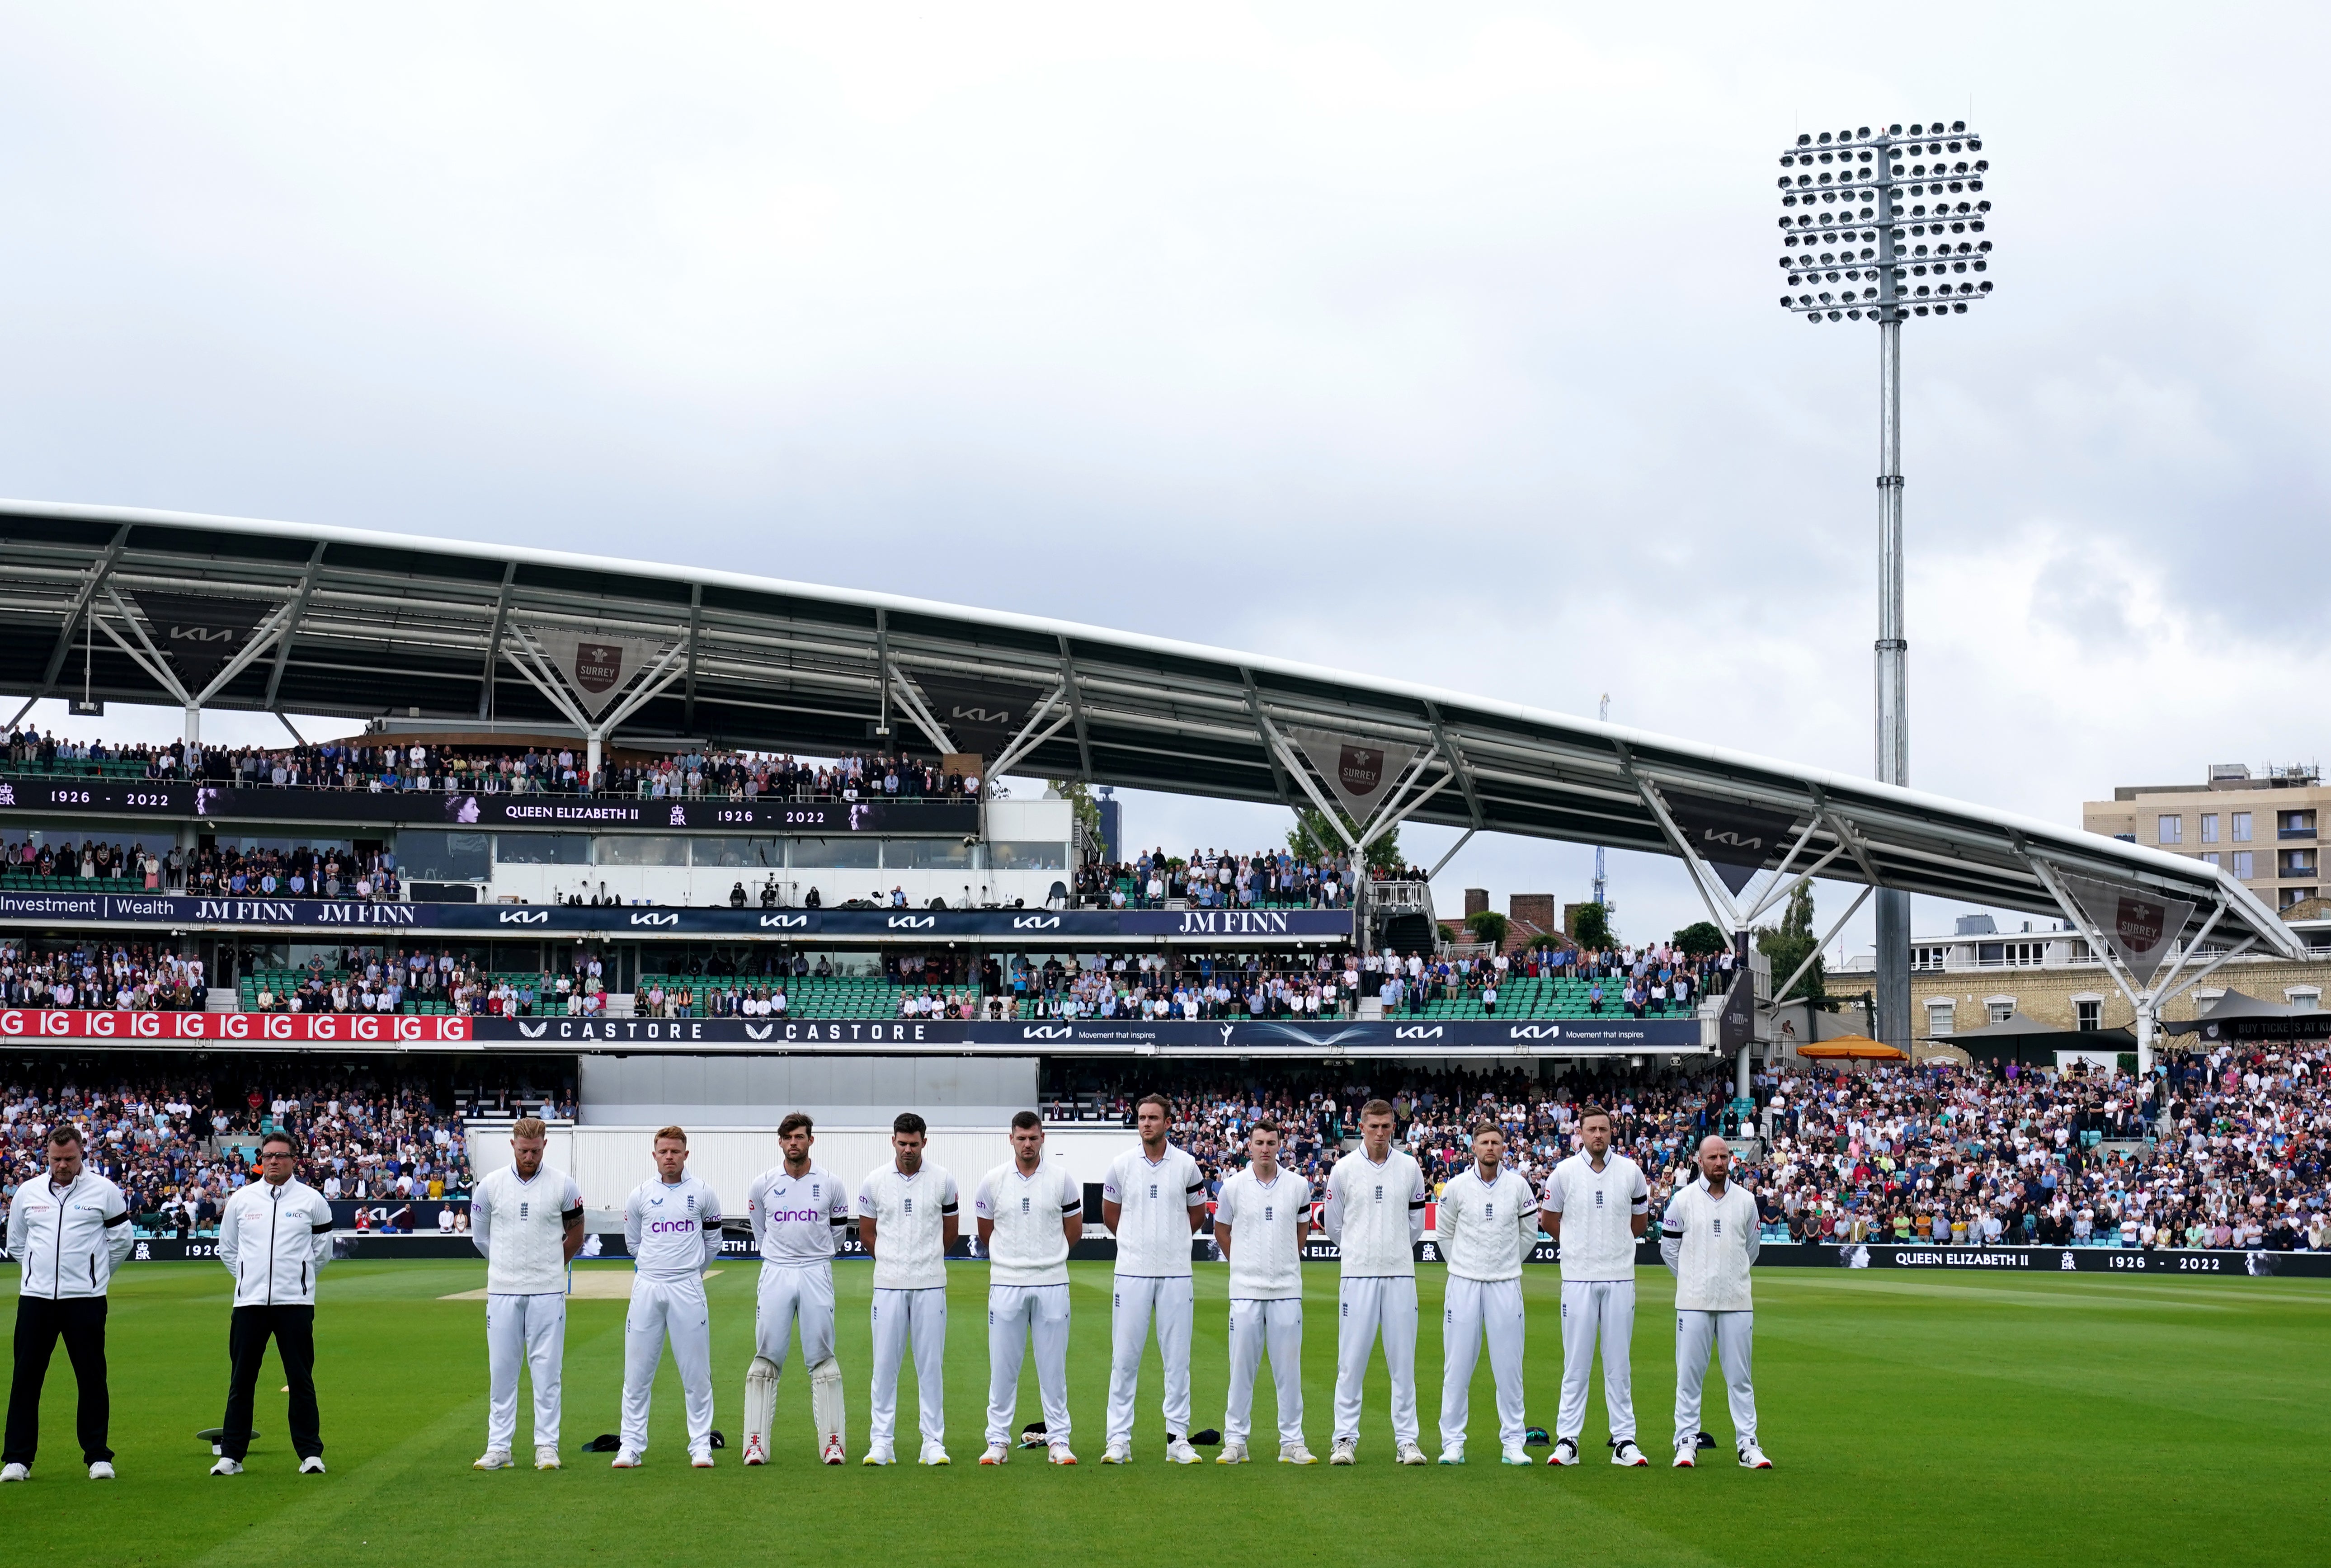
798, 1212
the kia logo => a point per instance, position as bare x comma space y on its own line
1047, 1031
1035, 923
981, 715
1408, 1032
1738, 840
202, 634
783, 922
525, 916
1534, 1031
672, 920
913, 922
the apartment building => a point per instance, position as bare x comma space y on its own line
2262, 827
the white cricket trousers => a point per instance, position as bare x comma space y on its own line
1366, 1304
1256, 1327
529, 1330
900, 1316
1732, 1334
1474, 1310
1171, 1299
793, 1293
665, 1307
1595, 1309
1015, 1315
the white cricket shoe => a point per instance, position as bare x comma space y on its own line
1454, 1454
1295, 1454
1059, 1454
1117, 1454
996, 1454
15, 1472
624, 1460
1344, 1451
1180, 1452
881, 1456
226, 1466
1565, 1452
1686, 1455
831, 1453
313, 1465
1233, 1453
1752, 1457
101, 1470
546, 1455
699, 1458
1407, 1454
495, 1460
935, 1454
1513, 1454
1625, 1452
756, 1452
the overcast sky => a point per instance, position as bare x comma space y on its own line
1435, 343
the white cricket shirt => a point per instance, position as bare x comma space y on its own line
910, 1215
1598, 1209
1265, 1220
673, 1230
1484, 1225
1030, 1242
1375, 1214
797, 1220
1155, 1199
520, 1226
1712, 1243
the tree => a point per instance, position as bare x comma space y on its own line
1700, 939
1787, 945
1591, 927
1313, 838
1079, 794
1488, 926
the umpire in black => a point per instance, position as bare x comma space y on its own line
66, 1229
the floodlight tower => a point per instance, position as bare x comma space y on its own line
1881, 226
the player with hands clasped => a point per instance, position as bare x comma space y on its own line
673, 1227
1375, 1214
1261, 1216
1029, 1211
1154, 1198
275, 1235
526, 1220
798, 1212
1708, 1241
68, 1231
1489, 1221
907, 1217
1597, 1206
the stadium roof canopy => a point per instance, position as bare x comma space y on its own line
350, 623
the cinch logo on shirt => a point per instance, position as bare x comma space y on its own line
795, 1216
663, 1225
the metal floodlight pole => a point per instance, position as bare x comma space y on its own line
1897, 218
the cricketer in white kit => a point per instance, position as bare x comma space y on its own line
672, 1228
526, 1219
798, 1212
1154, 1198
907, 1217
1261, 1216
1375, 1214
1030, 1214
1709, 1240
1597, 1206
1488, 1221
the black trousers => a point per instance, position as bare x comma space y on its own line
39, 1320
293, 1329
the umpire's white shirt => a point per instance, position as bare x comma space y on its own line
1711, 1243
67, 1241
674, 1229
520, 1226
274, 1239
1598, 1210
797, 1218
1374, 1214
1484, 1225
910, 1215
1154, 1199
1029, 1244
1265, 1220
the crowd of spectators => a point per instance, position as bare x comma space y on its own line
177, 1142
1215, 880
414, 980
136, 977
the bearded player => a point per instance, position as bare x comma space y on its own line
1597, 1206
1375, 1214
798, 1212
1030, 1212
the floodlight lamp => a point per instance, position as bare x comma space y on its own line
1894, 129
1958, 127
1974, 143
1824, 139
1917, 131
1863, 133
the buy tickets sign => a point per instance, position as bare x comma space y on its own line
74, 1023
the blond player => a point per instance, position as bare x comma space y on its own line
673, 1227
1375, 1214
1261, 1217
1597, 1206
1030, 1214
1708, 1240
526, 1219
798, 1212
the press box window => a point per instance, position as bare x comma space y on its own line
746, 854
1026, 855
925, 855
542, 848
440, 857
837, 854
641, 850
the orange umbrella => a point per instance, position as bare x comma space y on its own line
1852, 1048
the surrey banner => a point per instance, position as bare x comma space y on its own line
595, 668
2139, 926
1360, 772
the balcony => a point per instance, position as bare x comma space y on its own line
2286, 834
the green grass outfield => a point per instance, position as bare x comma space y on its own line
1912, 1419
